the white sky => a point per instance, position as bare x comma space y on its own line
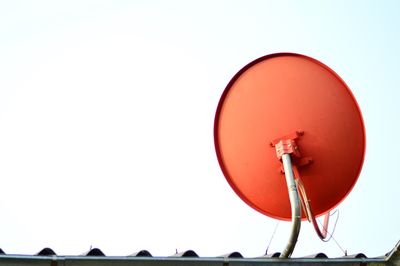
107, 112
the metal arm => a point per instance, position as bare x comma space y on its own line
295, 206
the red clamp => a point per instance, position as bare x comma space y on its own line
287, 145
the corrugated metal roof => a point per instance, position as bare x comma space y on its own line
95, 256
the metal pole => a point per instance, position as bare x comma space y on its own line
295, 206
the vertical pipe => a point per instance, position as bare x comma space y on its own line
295, 206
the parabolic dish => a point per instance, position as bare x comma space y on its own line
277, 95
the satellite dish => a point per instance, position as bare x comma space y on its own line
289, 114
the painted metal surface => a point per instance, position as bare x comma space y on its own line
276, 95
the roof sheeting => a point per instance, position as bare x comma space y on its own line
96, 257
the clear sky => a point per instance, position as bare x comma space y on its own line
107, 111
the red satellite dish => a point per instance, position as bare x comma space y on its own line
299, 100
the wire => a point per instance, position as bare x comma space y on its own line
333, 231
334, 225
272, 236
344, 251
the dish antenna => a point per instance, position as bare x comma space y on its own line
290, 139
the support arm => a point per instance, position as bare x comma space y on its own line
295, 206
